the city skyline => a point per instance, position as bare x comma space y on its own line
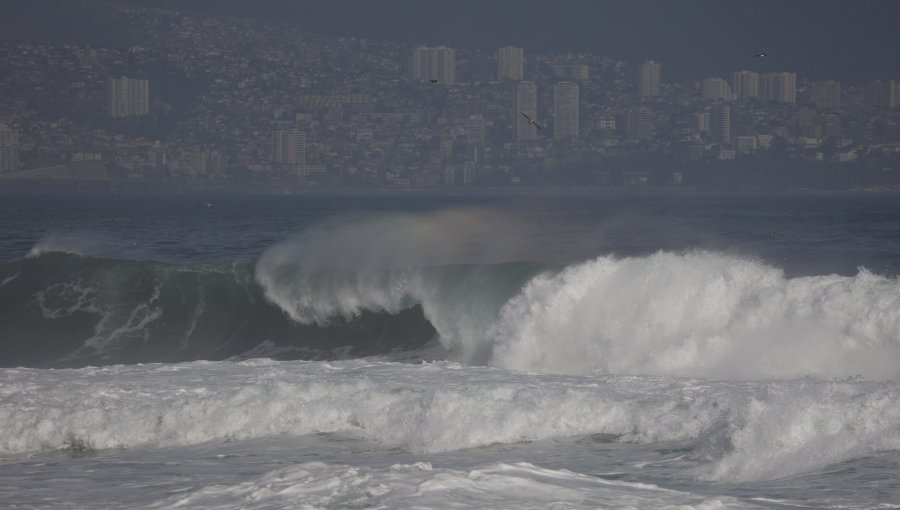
216, 100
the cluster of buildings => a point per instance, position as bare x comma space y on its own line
225, 100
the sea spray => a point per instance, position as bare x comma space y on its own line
696, 314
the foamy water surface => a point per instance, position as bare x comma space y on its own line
643, 352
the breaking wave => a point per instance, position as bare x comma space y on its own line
708, 348
696, 314
737, 430
66, 310
394, 284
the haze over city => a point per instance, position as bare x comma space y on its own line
407, 95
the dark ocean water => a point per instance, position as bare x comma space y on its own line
608, 351
125, 279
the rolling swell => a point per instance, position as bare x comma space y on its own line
695, 314
67, 310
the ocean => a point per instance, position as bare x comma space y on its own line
425, 351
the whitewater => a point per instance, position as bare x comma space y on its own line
335, 352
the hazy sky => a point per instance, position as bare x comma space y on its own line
843, 39
691, 38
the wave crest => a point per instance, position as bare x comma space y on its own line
700, 314
697, 314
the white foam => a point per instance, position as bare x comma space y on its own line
748, 431
66, 242
9, 279
514, 486
701, 314
346, 266
696, 314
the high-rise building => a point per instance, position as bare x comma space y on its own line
745, 84
780, 87
128, 97
289, 148
883, 94
199, 161
720, 123
825, 94
470, 172
526, 102
565, 110
640, 123
428, 63
649, 78
716, 89
475, 130
9, 149
510, 63
702, 122
806, 117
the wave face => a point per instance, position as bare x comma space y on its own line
695, 314
67, 310
390, 284
451, 263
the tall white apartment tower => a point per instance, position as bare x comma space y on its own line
510, 63
475, 130
565, 110
289, 147
128, 97
9, 149
526, 102
826, 94
720, 123
648, 79
780, 87
745, 84
640, 124
433, 63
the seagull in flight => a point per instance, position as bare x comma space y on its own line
531, 121
761, 55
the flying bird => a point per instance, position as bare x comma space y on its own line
433, 81
531, 121
761, 55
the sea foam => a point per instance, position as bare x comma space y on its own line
514, 486
696, 314
700, 315
745, 430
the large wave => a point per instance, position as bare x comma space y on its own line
698, 314
65, 310
375, 286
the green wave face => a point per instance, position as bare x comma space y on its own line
65, 310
